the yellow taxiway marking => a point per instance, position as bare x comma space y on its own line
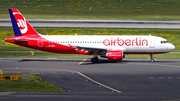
82, 62
151, 77
161, 78
0, 58
169, 78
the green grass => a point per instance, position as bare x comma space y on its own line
100, 9
172, 35
27, 83
46, 54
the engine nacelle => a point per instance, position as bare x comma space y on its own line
114, 55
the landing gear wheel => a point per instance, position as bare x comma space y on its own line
152, 60
93, 60
96, 59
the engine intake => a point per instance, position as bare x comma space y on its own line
114, 55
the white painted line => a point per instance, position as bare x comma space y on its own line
52, 58
91, 80
99, 83
6, 93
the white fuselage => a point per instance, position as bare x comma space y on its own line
129, 44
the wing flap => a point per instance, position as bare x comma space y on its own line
90, 48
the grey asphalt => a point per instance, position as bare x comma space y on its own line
131, 79
99, 23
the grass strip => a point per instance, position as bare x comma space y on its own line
94, 9
27, 83
46, 54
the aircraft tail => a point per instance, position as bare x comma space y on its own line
20, 25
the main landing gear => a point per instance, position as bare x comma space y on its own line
95, 58
152, 60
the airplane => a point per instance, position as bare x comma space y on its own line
112, 47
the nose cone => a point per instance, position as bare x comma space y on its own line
171, 47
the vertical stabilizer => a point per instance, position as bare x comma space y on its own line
20, 25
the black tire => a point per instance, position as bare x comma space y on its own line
93, 60
96, 59
152, 60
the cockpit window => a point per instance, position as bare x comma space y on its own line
163, 42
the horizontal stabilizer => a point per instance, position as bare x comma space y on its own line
11, 39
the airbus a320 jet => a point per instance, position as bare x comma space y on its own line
111, 47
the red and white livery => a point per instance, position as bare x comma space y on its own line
111, 47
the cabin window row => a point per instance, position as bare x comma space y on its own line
90, 42
75, 42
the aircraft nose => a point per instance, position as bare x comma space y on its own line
172, 47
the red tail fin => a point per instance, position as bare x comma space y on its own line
20, 25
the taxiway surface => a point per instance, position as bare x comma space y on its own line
131, 79
98, 23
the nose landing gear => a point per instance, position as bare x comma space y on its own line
152, 60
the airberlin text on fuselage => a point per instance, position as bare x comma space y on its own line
127, 42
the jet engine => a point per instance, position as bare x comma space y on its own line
114, 55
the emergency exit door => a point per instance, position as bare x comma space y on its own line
40, 42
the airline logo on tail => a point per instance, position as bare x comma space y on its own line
20, 24
21, 21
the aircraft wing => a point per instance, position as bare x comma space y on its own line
90, 48
94, 48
